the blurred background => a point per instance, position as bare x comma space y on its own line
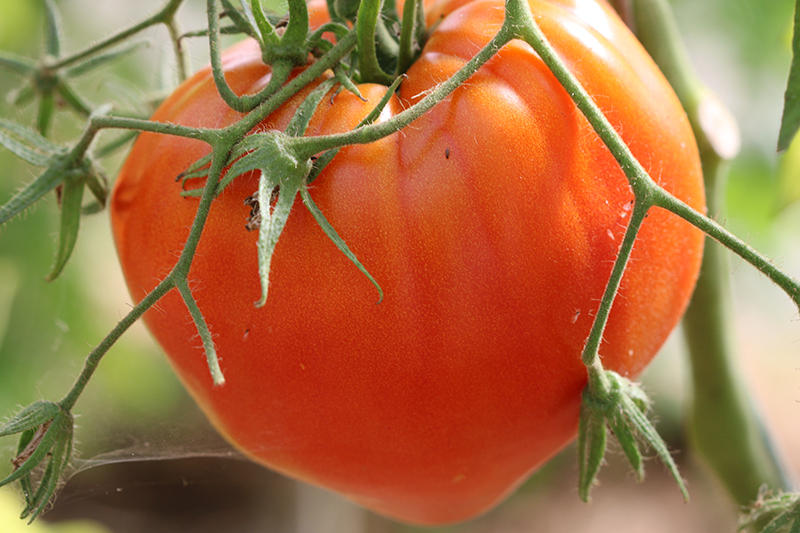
148, 461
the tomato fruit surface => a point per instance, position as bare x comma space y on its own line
491, 224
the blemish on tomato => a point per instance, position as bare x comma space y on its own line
459, 478
447, 153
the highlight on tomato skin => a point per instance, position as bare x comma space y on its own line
491, 224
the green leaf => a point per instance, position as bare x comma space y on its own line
782, 511
59, 459
265, 28
47, 106
790, 122
338, 241
649, 434
52, 33
71, 200
323, 160
98, 185
42, 443
273, 220
202, 328
259, 33
30, 417
33, 192
239, 20
105, 58
21, 95
43, 144
345, 81
592, 437
297, 29
621, 408
299, 123
19, 64
38, 151
627, 441
74, 100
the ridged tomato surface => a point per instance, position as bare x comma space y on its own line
491, 224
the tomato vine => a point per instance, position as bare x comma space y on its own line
288, 162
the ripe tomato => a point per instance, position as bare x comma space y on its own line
491, 224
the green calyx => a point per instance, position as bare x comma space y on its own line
612, 402
773, 513
46, 436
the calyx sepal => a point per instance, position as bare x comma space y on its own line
780, 511
46, 436
621, 406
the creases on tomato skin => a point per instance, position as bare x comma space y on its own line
433, 405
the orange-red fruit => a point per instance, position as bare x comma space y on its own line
491, 224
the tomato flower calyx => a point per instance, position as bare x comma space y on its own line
612, 402
46, 430
775, 513
68, 172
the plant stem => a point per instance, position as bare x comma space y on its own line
592, 348
724, 426
163, 16
309, 146
94, 357
407, 33
177, 277
367, 22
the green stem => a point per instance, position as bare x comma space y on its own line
166, 14
181, 56
725, 427
407, 33
367, 23
124, 123
314, 71
268, 34
297, 27
733, 243
90, 365
176, 277
309, 146
233, 100
592, 347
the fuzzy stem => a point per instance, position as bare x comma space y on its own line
179, 274
592, 347
163, 16
725, 427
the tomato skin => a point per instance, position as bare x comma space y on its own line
491, 224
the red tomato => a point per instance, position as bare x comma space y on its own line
491, 224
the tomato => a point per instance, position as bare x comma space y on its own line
491, 224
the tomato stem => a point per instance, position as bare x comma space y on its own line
367, 22
592, 347
309, 146
267, 32
725, 427
164, 16
407, 34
